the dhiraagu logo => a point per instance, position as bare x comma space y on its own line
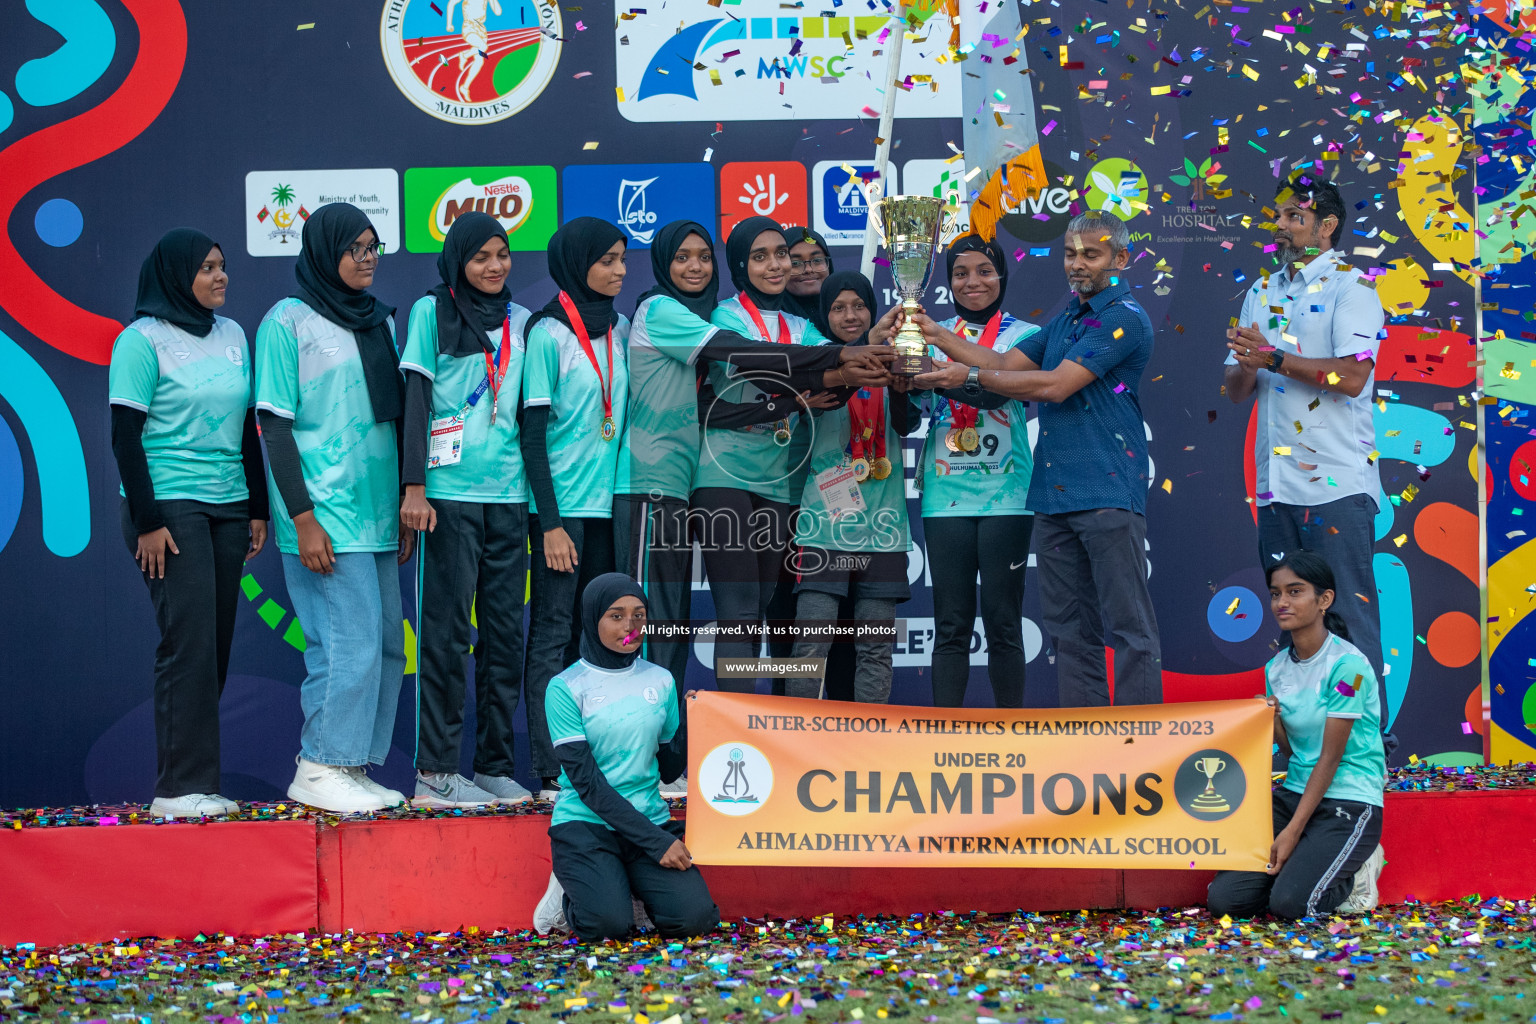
701, 63
521, 198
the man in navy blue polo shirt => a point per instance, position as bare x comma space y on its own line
1089, 490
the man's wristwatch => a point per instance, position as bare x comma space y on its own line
972, 384
1276, 359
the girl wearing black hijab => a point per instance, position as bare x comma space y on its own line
194, 498
616, 852
328, 393
749, 473
810, 261
672, 343
575, 396
974, 476
854, 502
466, 492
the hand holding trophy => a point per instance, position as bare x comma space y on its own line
909, 227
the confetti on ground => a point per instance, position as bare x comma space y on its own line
1471, 960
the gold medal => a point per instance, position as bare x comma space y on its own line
952, 440
880, 468
861, 469
781, 435
969, 439
610, 429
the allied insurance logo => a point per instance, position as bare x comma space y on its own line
735, 779
521, 198
470, 61
748, 61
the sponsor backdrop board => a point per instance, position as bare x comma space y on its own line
464, 102
787, 782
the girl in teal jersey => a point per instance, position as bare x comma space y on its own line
329, 397
618, 856
575, 396
974, 477
851, 532
466, 494
195, 498
1326, 856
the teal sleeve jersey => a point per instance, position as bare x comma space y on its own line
762, 457
624, 716
490, 466
993, 479
883, 525
558, 373
1336, 682
661, 444
194, 393
309, 371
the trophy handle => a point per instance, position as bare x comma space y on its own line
874, 217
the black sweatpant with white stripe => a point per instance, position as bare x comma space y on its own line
1320, 873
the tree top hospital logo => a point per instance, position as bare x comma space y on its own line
735, 779
1210, 785
470, 61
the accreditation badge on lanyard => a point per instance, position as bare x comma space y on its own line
446, 443
781, 433
610, 429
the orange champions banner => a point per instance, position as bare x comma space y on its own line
781, 781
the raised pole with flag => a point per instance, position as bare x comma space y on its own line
1002, 142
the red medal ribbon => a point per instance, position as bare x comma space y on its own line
497, 372
757, 321
867, 413
580, 330
962, 416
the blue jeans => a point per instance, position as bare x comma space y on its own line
354, 651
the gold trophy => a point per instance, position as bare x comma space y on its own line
909, 228
1210, 800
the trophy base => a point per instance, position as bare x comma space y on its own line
1210, 802
911, 366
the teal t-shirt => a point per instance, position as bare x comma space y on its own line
309, 371
1336, 682
749, 458
624, 716
994, 479
661, 444
195, 393
558, 373
882, 525
490, 466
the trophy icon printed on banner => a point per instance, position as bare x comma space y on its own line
909, 227
1210, 800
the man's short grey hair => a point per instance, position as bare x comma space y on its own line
1102, 226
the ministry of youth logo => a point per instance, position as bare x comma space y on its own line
735, 779
470, 61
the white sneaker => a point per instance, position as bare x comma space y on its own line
440, 790
642, 919
549, 915
1364, 896
391, 797
230, 807
676, 789
332, 788
193, 805
549, 793
504, 788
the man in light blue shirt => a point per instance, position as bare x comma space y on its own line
1306, 344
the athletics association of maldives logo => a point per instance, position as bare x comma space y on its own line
470, 61
735, 779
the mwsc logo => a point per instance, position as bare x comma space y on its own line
470, 61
